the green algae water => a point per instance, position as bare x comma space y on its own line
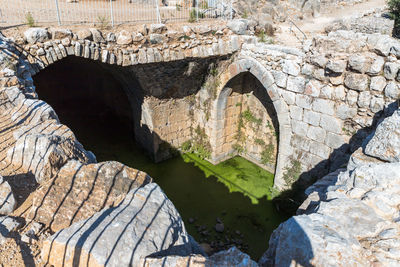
234, 192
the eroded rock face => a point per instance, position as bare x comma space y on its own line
79, 191
350, 216
145, 223
385, 142
43, 154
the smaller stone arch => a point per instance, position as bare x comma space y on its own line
282, 111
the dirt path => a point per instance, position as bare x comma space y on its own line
316, 25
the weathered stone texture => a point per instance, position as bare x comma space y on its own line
385, 142
145, 223
78, 191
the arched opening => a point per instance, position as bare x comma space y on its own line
89, 99
250, 123
105, 106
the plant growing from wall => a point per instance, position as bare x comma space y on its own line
292, 172
199, 145
248, 116
239, 149
259, 142
267, 155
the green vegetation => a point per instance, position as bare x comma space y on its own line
178, 7
212, 83
245, 14
292, 172
394, 9
29, 20
200, 145
248, 116
262, 36
259, 142
103, 22
238, 174
268, 155
348, 132
238, 148
194, 14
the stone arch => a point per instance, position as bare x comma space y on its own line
282, 111
129, 90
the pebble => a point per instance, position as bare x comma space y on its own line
219, 227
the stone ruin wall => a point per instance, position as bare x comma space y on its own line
326, 96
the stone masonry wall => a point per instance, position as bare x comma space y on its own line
326, 96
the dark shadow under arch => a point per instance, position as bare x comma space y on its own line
85, 92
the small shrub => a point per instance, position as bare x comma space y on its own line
262, 36
394, 9
103, 22
178, 7
30, 21
245, 14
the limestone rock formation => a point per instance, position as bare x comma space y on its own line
385, 142
146, 223
44, 154
238, 26
226, 258
7, 200
33, 35
350, 216
78, 191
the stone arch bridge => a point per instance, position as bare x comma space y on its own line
296, 112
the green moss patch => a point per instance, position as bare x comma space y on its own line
238, 174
